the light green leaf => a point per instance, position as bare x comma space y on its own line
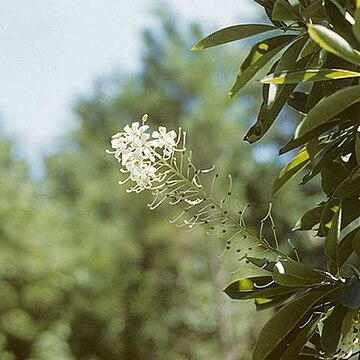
259, 55
327, 109
284, 11
299, 76
231, 33
334, 43
291, 169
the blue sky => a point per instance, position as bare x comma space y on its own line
52, 51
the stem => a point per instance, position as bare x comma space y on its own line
217, 205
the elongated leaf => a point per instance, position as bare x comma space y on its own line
296, 142
345, 248
262, 288
356, 26
356, 243
332, 330
284, 11
295, 274
332, 240
349, 186
340, 19
259, 55
300, 160
334, 43
314, 11
297, 101
231, 33
309, 219
304, 334
281, 324
299, 76
272, 105
327, 109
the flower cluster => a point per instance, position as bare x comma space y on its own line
142, 155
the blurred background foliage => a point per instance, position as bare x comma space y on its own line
87, 271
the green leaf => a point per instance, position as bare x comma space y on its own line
299, 76
327, 109
332, 175
328, 154
295, 274
281, 324
345, 248
297, 101
277, 95
284, 11
332, 240
349, 186
333, 43
296, 142
304, 334
314, 11
259, 55
332, 330
309, 219
340, 19
356, 242
300, 160
356, 26
232, 33
261, 288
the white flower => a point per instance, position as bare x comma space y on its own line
165, 140
137, 152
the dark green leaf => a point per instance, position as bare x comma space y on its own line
262, 288
356, 26
356, 242
259, 55
349, 186
304, 334
281, 324
284, 11
292, 273
297, 101
345, 248
277, 95
332, 330
231, 33
291, 169
309, 219
332, 240
314, 11
296, 142
327, 109
332, 175
340, 19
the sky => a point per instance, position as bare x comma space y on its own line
53, 51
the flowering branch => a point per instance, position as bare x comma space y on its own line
159, 162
